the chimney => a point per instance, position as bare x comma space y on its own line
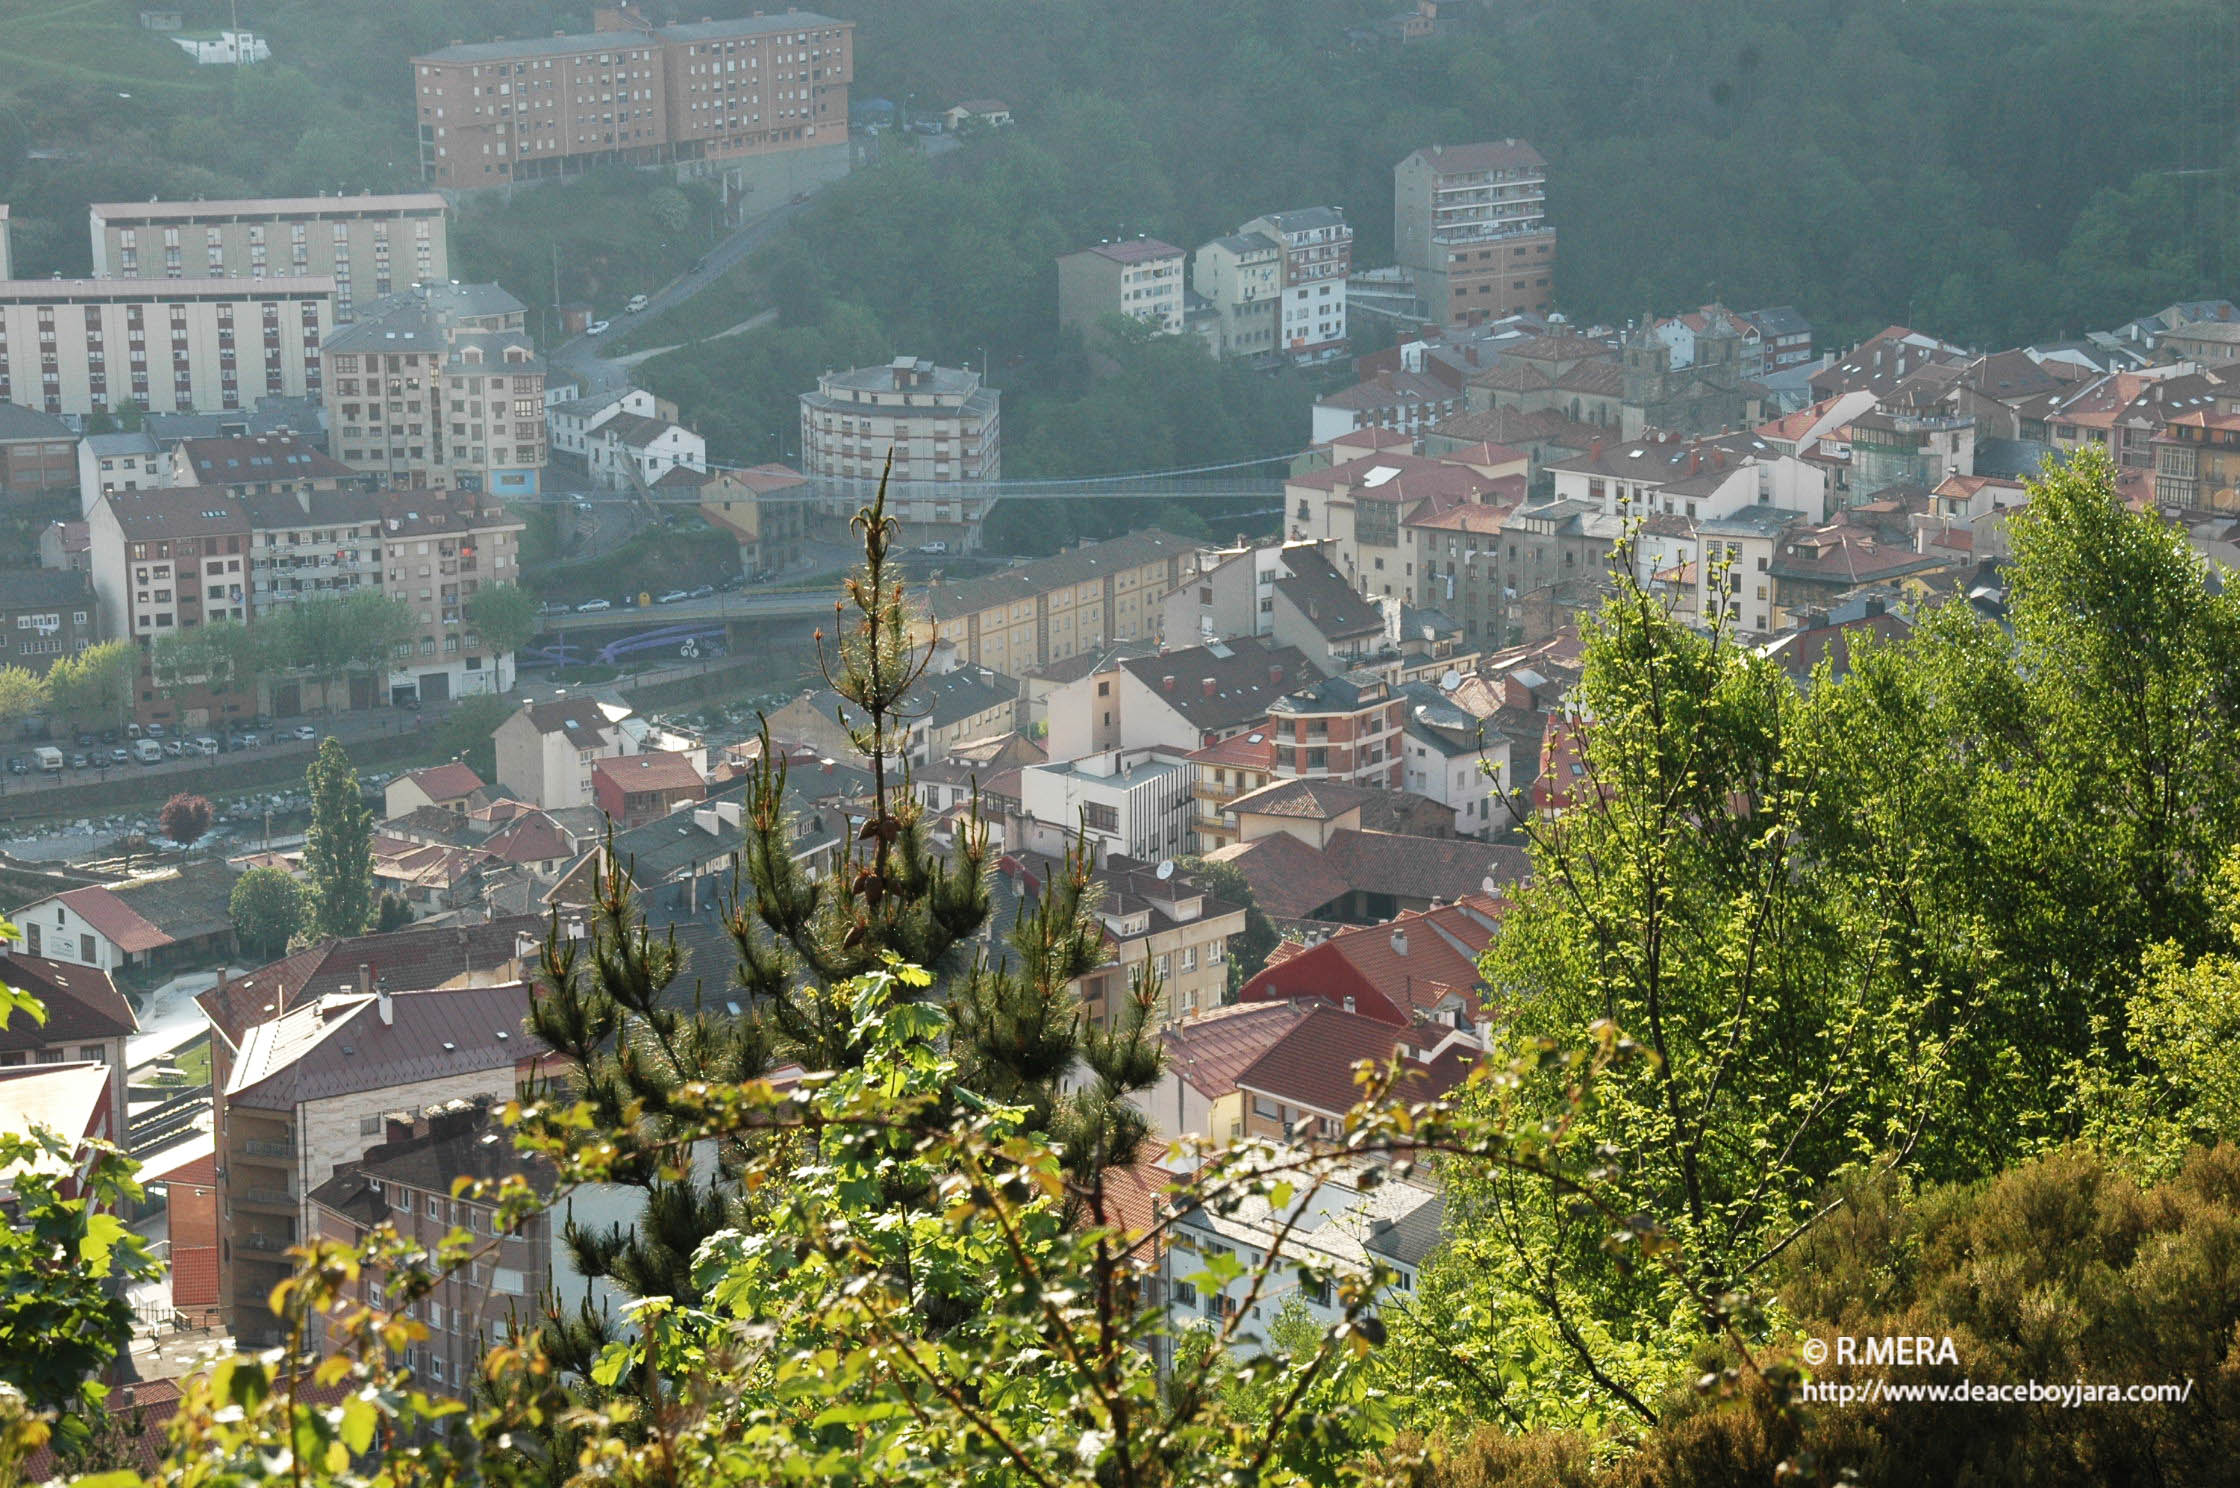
1399, 942
1207, 684
1695, 459
1275, 675
1166, 683
365, 978
1349, 1004
388, 1006
1596, 453
397, 1126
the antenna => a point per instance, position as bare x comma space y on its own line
1166, 869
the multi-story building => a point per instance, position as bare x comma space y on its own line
764, 509
1340, 728
1784, 340
545, 751
371, 246
80, 346
87, 1021
942, 425
437, 549
1471, 222
1054, 609
405, 1181
254, 465
1131, 803
38, 453
303, 1092
119, 462
46, 614
569, 421
1317, 249
165, 560
628, 451
761, 100
1241, 277
1140, 278
1219, 773
439, 386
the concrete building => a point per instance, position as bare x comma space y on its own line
38, 454
1340, 728
569, 421
1317, 246
1188, 699
1197, 1095
81, 346
1241, 278
1471, 222
168, 559
46, 614
437, 548
167, 920
545, 751
118, 462
759, 102
626, 451
1157, 922
1131, 803
635, 789
1079, 602
438, 387
1219, 773
1140, 278
405, 1181
763, 509
305, 1090
371, 246
942, 426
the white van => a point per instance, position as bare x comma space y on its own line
206, 745
49, 757
147, 751
637, 303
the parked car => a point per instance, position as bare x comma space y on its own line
16, 765
306, 732
155, 731
590, 605
933, 547
147, 751
597, 328
85, 741
80, 762
554, 607
205, 745
672, 596
637, 303
120, 755
173, 749
247, 741
703, 592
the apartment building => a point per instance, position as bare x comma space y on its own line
405, 1180
1241, 277
1157, 921
942, 425
1340, 728
304, 1090
1317, 246
1471, 223
169, 559
1131, 803
1139, 278
87, 1021
371, 246
1219, 773
546, 750
46, 614
439, 386
761, 101
763, 509
201, 345
1053, 609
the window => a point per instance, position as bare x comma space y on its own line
1262, 1106
1185, 1295
91, 1054
85, 949
435, 1207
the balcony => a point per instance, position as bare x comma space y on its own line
253, 1240
259, 1147
264, 1197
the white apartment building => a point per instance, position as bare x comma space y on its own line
569, 422
545, 751
1132, 803
1317, 248
1140, 278
628, 449
81, 346
371, 246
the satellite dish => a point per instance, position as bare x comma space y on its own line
1166, 869
1493, 891
1450, 681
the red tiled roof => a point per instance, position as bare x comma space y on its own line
1415, 960
1312, 1064
658, 770
113, 919
1290, 879
408, 960
1210, 1050
452, 782
82, 1003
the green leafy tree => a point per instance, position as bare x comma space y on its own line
23, 694
96, 685
504, 615
268, 908
469, 733
394, 914
222, 656
338, 846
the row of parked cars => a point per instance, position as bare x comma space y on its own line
146, 745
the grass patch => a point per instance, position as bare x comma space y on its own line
194, 1062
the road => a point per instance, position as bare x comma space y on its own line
581, 358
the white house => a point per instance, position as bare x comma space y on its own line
109, 463
650, 446
568, 424
1131, 803
226, 49
545, 751
1343, 1227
